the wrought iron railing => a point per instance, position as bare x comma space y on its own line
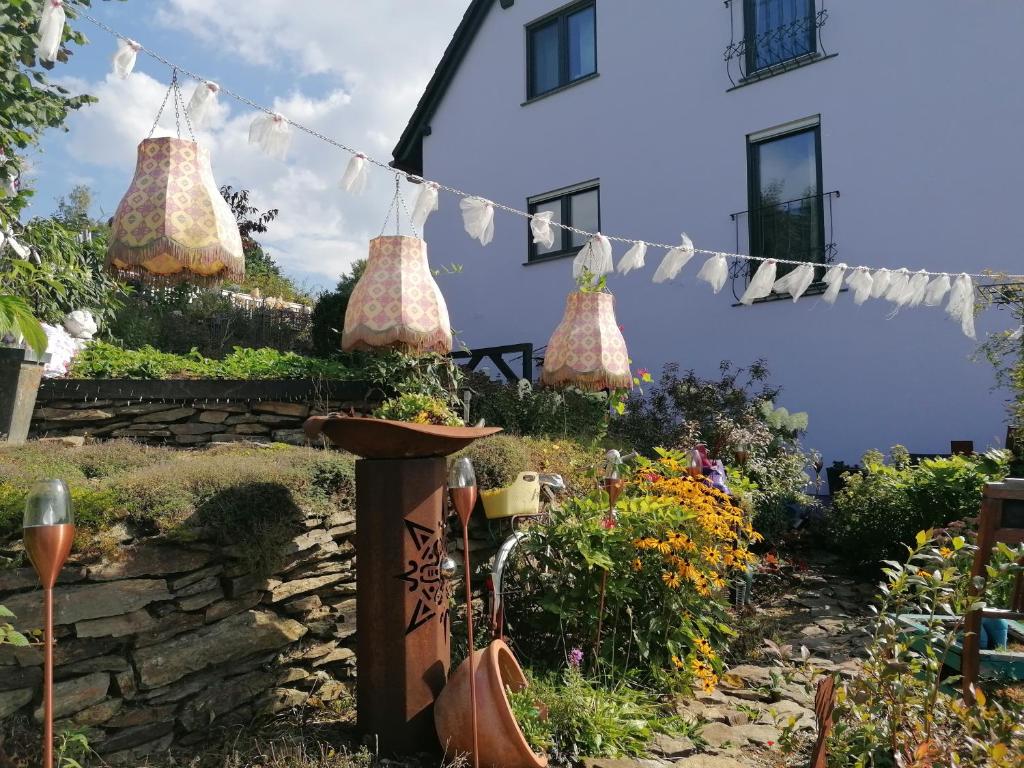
796, 230
789, 34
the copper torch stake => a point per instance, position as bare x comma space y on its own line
48, 546
464, 499
613, 487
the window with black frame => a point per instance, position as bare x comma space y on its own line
561, 49
578, 206
786, 217
777, 31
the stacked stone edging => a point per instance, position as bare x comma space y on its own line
189, 418
169, 642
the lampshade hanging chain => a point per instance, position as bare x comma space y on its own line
179, 108
397, 206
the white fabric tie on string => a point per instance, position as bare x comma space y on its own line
595, 257
540, 226
916, 288
862, 283
961, 304
834, 280
674, 260
715, 272
880, 282
1017, 334
936, 291
21, 250
478, 218
51, 30
426, 204
356, 174
898, 285
124, 58
795, 282
762, 283
634, 258
200, 106
271, 133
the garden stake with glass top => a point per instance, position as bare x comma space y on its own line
463, 491
49, 525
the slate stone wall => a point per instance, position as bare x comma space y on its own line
169, 641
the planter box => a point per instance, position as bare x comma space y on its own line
1000, 663
20, 374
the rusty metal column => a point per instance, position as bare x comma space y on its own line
403, 639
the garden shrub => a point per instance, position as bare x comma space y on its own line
668, 559
521, 409
498, 460
903, 709
880, 509
418, 409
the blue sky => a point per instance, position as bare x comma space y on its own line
324, 64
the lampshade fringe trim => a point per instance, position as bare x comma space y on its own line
126, 258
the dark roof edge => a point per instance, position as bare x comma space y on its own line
408, 152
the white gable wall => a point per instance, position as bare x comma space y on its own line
920, 113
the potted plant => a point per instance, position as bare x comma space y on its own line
21, 367
507, 487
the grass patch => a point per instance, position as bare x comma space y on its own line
250, 498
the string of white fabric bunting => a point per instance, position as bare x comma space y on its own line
272, 132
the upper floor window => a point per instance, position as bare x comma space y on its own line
777, 31
561, 48
777, 35
577, 206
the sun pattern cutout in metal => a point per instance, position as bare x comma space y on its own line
424, 576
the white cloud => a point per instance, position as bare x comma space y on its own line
376, 56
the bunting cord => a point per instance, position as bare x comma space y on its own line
77, 11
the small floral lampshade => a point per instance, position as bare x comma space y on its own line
587, 349
396, 302
172, 224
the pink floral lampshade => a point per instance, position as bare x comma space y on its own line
587, 349
172, 224
396, 302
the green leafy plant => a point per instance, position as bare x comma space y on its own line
8, 634
17, 319
903, 709
568, 717
418, 409
879, 510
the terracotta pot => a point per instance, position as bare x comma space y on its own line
502, 744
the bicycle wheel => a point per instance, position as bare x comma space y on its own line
519, 582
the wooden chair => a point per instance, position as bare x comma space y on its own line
824, 704
1001, 520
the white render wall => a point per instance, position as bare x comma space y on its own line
921, 115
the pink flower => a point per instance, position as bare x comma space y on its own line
575, 658
608, 523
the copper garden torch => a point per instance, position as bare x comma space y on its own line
49, 524
463, 491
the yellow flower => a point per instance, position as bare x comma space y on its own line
679, 664
945, 552
637, 565
671, 579
711, 555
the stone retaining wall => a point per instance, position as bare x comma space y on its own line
189, 413
170, 641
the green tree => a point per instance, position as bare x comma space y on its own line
73, 208
329, 312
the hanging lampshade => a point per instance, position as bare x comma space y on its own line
172, 224
587, 349
396, 302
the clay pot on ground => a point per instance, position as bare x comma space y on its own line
502, 744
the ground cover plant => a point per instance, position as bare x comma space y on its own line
880, 509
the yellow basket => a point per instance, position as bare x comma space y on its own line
520, 498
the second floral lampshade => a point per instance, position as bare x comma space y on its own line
396, 303
587, 349
172, 224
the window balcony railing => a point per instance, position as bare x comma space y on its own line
795, 230
772, 36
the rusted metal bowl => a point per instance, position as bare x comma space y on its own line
385, 439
